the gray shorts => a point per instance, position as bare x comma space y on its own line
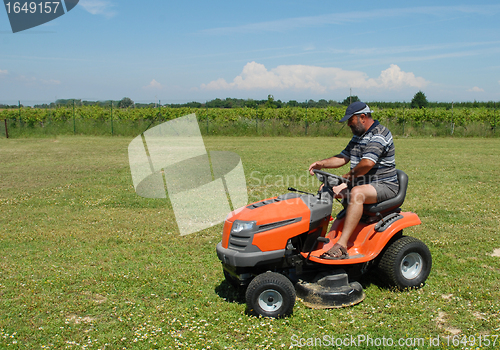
385, 190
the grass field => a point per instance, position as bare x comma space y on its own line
85, 263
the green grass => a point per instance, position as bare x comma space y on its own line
86, 263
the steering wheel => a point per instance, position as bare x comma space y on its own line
330, 180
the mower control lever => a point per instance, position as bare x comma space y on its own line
319, 239
323, 239
296, 190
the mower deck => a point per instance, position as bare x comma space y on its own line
329, 290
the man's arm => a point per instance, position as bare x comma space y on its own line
332, 162
363, 167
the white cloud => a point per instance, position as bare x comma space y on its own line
394, 78
476, 89
98, 7
317, 79
153, 85
3, 72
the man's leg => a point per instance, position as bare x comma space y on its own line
363, 194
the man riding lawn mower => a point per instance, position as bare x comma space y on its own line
281, 247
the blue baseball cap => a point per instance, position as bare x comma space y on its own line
355, 108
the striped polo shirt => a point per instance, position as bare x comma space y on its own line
375, 144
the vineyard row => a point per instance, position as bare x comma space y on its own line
457, 116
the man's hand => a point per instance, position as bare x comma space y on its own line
340, 191
333, 162
315, 165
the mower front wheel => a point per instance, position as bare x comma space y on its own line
270, 295
406, 263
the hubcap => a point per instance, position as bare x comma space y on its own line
411, 265
270, 300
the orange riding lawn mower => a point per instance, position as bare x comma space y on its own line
275, 249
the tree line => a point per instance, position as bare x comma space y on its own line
419, 101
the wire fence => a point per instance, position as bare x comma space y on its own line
17, 128
296, 121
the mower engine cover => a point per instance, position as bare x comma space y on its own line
260, 231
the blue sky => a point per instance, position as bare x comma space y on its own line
177, 51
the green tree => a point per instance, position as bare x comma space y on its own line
322, 103
419, 100
125, 103
217, 103
250, 103
350, 99
270, 102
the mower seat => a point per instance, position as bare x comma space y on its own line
390, 205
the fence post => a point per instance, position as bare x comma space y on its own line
256, 121
452, 119
159, 108
74, 122
306, 115
112, 131
494, 118
6, 131
20, 121
404, 120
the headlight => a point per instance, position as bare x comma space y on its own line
239, 226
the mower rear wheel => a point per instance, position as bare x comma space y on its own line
406, 263
270, 295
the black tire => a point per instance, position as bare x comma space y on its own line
406, 263
270, 295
